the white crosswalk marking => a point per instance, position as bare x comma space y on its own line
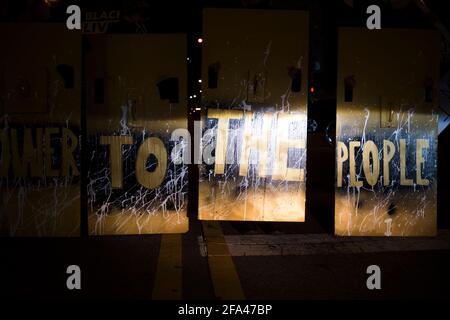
313, 244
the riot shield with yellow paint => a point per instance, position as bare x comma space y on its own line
136, 122
386, 132
40, 77
254, 87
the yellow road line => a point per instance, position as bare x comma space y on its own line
168, 278
225, 279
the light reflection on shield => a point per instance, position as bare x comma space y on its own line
254, 84
136, 92
386, 133
40, 127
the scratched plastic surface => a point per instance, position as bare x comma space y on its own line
254, 60
131, 107
391, 70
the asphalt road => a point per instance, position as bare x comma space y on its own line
139, 267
